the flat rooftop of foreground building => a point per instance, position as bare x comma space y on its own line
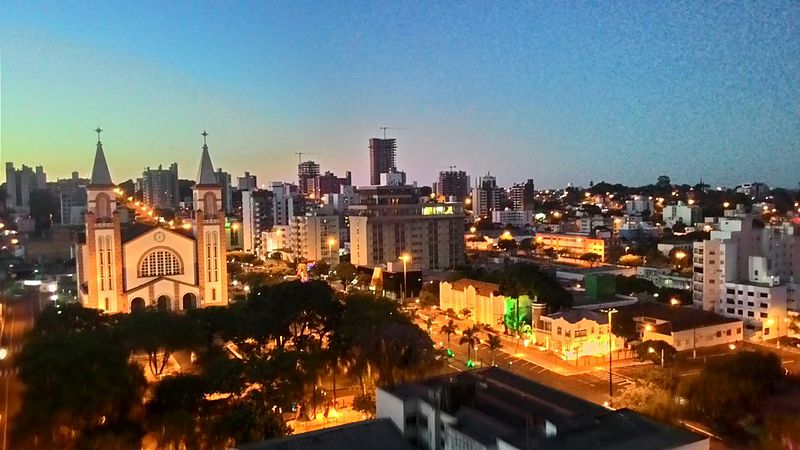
492, 405
377, 434
680, 317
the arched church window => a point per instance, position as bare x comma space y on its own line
159, 263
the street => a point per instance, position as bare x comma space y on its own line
591, 384
18, 317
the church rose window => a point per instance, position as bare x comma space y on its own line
160, 263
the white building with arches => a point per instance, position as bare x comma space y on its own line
124, 266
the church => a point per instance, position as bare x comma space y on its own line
124, 266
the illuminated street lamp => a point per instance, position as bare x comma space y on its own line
3, 353
331, 243
674, 301
726, 204
405, 257
732, 346
472, 229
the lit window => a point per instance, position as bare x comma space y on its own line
160, 263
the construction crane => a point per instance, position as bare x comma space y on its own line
300, 155
390, 128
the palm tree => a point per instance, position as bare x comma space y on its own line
494, 343
466, 312
429, 324
470, 337
450, 328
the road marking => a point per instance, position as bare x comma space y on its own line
788, 361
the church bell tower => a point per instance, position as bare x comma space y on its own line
103, 238
209, 232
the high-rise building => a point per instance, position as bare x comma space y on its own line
19, 185
390, 222
314, 237
123, 267
224, 180
160, 187
486, 197
72, 197
522, 195
382, 153
748, 271
286, 202
257, 217
247, 182
307, 171
453, 184
329, 183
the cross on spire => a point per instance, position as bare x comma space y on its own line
204, 137
98, 131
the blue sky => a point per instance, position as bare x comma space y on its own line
556, 91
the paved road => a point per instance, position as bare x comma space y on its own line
18, 317
592, 386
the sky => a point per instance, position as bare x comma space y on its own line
561, 92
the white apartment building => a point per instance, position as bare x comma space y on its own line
639, 204
682, 213
314, 238
748, 272
510, 217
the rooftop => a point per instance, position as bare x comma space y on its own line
482, 287
680, 318
378, 434
576, 315
492, 404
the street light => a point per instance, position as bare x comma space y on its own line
610, 311
331, 243
405, 257
652, 350
674, 301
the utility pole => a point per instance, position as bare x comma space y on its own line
610, 311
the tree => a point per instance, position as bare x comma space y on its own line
526, 279
591, 258
466, 313
72, 380
449, 329
159, 334
319, 269
172, 413
644, 352
624, 326
507, 245
494, 343
346, 272
365, 403
550, 253
728, 390
470, 338
429, 296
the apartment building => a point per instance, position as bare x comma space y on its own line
432, 234
749, 271
256, 218
314, 237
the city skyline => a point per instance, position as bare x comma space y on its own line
551, 93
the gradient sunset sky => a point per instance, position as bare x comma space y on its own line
556, 91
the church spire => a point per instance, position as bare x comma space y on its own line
205, 175
100, 174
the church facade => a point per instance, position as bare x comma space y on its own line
125, 266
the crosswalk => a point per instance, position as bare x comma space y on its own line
616, 378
